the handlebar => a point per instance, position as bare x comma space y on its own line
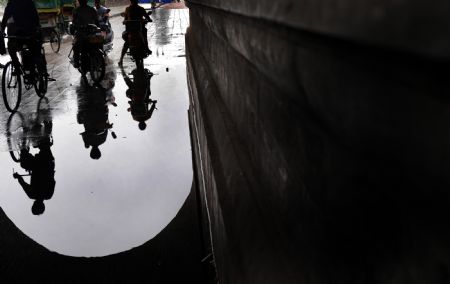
18, 37
142, 21
90, 28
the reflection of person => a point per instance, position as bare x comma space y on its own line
139, 94
134, 12
42, 182
93, 114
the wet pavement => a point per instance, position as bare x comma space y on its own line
116, 171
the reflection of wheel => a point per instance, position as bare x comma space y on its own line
43, 105
43, 110
11, 87
97, 66
55, 41
15, 121
15, 155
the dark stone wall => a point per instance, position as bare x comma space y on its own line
321, 139
407, 25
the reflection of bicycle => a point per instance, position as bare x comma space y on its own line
30, 70
23, 133
141, 106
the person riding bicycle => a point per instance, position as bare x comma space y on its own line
134, 12
22, 20
103, 19
83, 15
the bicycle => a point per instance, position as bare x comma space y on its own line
92, 55
135, 40
31, 72
22, 132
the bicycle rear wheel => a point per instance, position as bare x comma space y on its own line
55, 41
41, 77
11, 87
41, 83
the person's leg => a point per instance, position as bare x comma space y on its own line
13, 47
77, 44
144, 36
39, 57
124, 51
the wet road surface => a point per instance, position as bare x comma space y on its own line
117, 184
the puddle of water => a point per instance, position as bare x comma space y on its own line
124, 193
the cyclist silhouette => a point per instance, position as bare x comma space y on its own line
22, 20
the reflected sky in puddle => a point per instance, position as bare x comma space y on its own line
128, 195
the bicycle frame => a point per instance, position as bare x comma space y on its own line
24, 49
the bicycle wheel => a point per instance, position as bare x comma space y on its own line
11, 87
41, 83
55, 41
97, 66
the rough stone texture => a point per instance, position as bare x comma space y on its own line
173, 256
411, 25
320, 160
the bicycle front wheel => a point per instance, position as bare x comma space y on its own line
11, 87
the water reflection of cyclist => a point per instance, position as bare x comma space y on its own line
22, 20
93, 114
141, 106
42, 169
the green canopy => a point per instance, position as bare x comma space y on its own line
47, 4
91, 2
67, 3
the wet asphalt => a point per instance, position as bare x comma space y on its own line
121, 169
